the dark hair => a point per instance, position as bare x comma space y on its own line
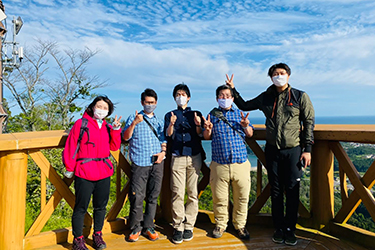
279, 66
222, 87
149, 92
183, 87
90, 109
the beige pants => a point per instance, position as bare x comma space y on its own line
221, 177
184, 174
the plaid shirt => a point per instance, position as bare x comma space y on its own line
143, 143
227, 145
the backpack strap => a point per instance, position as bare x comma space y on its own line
82, 130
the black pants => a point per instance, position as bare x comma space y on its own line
284, 174
83, 190
145, 183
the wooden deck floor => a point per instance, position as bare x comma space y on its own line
260, 239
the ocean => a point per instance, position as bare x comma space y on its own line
318, 120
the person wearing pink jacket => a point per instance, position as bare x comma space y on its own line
88, 160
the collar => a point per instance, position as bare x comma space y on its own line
184, 110
272, 90
142, 112
226, 110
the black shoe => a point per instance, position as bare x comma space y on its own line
243, 234
278, 236
99, 243
79, 243
218, 232
188, 235
290, 237
177, 237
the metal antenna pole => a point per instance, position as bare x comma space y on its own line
3, 114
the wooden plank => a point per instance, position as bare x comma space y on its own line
43, 191
119, 203
343, 185
258, 151
356, 235
259, 177
349, 207
354, 177
261, 200
205, 180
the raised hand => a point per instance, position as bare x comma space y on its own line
138, 118
244, 121
116, 123
197, 119
173, 118
229, 82
207, 123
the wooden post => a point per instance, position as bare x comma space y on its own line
13, 176
321, 185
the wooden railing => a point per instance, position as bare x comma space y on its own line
16, 148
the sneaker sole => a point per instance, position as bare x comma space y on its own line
278, 241
188, 239
290, 243
177, 241
129, 240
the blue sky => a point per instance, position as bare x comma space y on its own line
329, 45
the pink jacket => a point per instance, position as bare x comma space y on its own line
99, 148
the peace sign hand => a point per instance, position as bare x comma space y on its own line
229, 82
244, 121
116, 123
207, 123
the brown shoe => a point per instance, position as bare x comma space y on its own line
218, 232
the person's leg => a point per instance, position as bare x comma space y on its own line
241, 184
219, 181
83, 190
277, 190
153, 190
178, 179
99, 201
192, 175
292, 185
138, 183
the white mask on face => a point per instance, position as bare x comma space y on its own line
225, 103
181, 100
280, 80
100, 113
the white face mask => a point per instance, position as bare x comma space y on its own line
181, 100
100, 113
225, 103
280, 80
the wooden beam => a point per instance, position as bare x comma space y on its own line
354, 177
261, 200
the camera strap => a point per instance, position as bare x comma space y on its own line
151, 127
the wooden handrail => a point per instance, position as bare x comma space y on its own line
15, 147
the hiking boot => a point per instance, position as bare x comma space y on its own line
290, 237
134, 236
99, 243
79, 244
150, 234
278, 236
243, 234
218, 232
177, 237
188, 235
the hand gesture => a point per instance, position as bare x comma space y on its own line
138, 118
173, 118
306, 159
116, 123
197, 119
229, 82
207, 123
244, 121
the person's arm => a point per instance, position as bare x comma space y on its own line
70, 147
163, 144
115, 131
308, 121
170, 128
198, 122
128, 133
245, 124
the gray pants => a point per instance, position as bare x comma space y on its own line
184, 175
144, 183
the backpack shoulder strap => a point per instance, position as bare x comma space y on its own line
81, 132
109, 131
